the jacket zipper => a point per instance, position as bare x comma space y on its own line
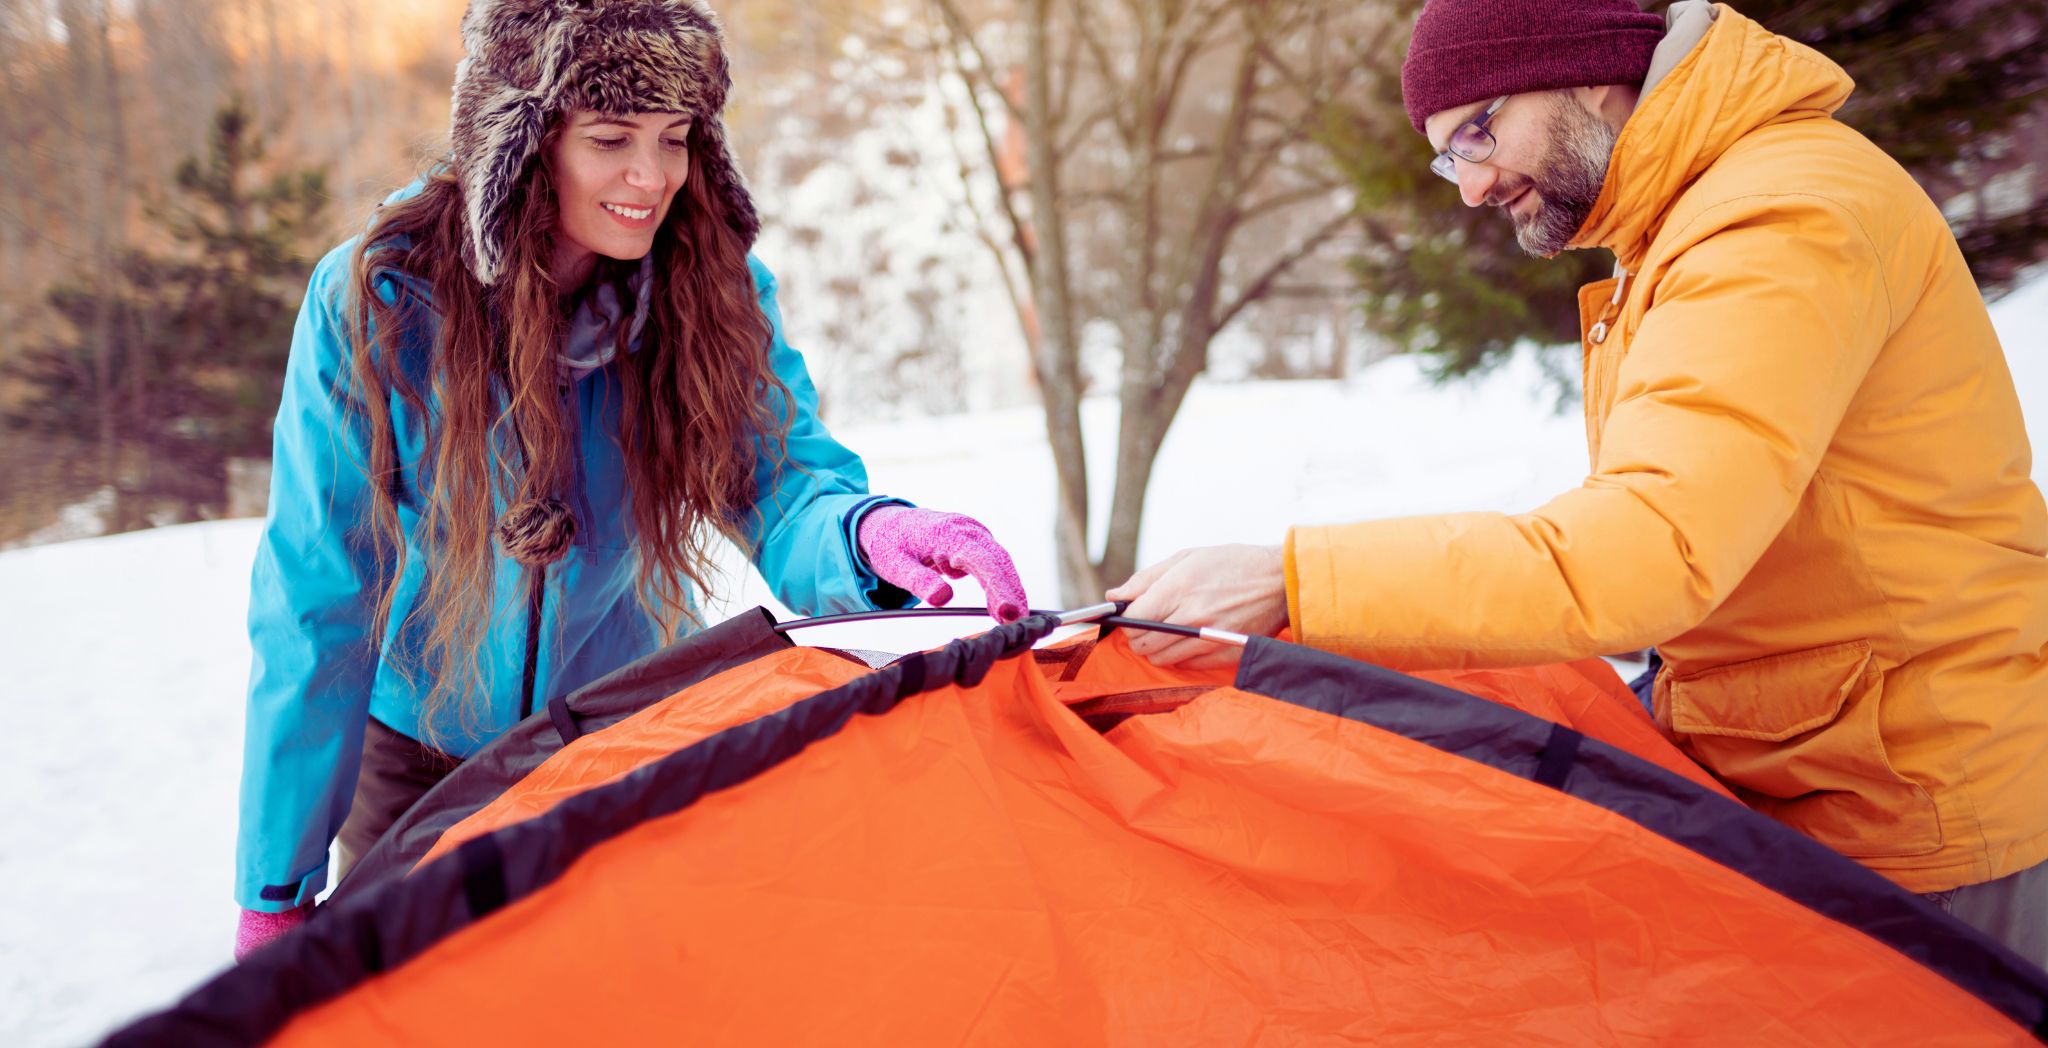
536, 590
536, 594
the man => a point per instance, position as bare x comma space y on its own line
1809, 482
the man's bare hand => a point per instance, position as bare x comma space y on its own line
1242, 589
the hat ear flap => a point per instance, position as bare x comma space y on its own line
501, 114
727, 185
504, 132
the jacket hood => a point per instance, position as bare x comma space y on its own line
1738, 78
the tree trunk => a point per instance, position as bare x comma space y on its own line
14, 202
271, 97
1136, 454
362, 106
91, 59
113, 243
1340, 342
1057, 355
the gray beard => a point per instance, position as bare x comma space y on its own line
1568, 180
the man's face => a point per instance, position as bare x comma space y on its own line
1548, 162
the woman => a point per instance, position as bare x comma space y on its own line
559, 345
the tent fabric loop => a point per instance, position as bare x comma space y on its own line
909, 676
483, 875
369, 944
564, 720
1554, 763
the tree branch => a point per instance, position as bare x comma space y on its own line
1196, 42
1288, 260
1311, 291
1216, 218
956, 24
1312, 89
1068, 60
1019, 234
1078, 133
1113, 88
1292, 197
1267, 153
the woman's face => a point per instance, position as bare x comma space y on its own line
615, 178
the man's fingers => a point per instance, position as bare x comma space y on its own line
1136, 585
1220, 656
1187, 652
1167, 651
1156, 605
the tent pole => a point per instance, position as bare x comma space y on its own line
1107, 613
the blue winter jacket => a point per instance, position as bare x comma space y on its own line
317, 674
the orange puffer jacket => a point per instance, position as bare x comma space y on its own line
1810, 488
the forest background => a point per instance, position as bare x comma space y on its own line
970, 204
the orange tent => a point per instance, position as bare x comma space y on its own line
746, 842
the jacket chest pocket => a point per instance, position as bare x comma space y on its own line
1797, 736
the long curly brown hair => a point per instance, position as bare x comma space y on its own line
700, 405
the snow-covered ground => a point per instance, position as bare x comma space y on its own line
123, 660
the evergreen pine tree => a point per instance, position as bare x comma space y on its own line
201, 331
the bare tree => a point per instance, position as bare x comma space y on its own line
181, 67
1172, 146
14, 229
101, 131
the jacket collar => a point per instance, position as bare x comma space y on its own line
1734, 77
590, 340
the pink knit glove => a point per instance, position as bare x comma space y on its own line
919, 549
256, 929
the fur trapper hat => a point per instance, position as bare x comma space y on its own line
530, 61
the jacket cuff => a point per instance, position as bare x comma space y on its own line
883, 595
1294, 625
277, 898
1312, 595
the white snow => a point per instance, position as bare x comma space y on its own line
123, 659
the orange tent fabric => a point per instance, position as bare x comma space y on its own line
1586, 695
1076, 847
980, 866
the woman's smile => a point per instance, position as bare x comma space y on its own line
634, 218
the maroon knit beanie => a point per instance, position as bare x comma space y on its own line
1467, 51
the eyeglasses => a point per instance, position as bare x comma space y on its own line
1470, 142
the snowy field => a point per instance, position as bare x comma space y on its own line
123, 659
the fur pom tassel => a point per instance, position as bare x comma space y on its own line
537, 532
